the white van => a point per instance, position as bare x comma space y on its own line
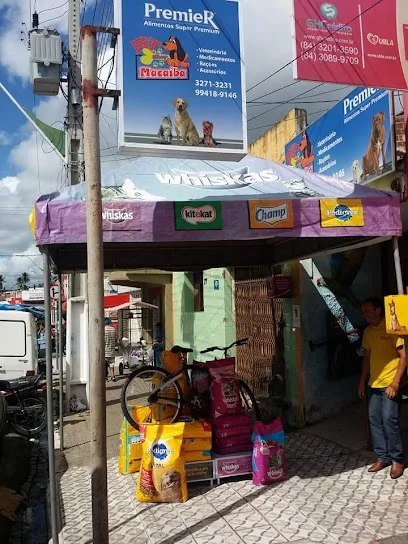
18, 345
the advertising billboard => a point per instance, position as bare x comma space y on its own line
180, 70
361, 42
353, 141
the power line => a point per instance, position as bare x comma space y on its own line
314, 46
289, 119
54, 18
291, 100
51, 9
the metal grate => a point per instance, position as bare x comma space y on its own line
256, 316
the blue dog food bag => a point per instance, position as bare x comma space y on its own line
268, 455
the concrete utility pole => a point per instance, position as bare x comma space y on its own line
95, 271
75, 114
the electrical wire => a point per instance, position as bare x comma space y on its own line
329, 35
55, 18
51, 9
290, 101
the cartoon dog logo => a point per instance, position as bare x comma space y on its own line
177, 55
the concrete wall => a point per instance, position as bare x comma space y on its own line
271, 145
215, 326
325, 397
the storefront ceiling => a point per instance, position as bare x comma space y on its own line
203, 255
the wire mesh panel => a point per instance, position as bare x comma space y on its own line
256, 319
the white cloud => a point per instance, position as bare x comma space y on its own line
5, 138
268, 47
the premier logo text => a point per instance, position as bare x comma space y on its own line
203, 18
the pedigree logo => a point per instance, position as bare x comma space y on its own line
271, 214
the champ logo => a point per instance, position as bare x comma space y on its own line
160, 451
204, 214
329, 11
114, 216
271, 215
374, 39
342, 213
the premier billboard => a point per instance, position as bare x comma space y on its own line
180, 69
353, 141
361, 42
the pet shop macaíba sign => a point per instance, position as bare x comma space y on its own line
181, 73
355, 43
353, 141
396, 314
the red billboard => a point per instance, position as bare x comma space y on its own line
355, 42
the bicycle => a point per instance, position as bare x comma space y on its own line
159, 391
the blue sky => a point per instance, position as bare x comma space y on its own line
28, 168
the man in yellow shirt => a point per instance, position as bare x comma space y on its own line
385, 369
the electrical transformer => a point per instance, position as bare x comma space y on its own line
45, 61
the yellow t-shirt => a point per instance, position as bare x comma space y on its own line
384, 357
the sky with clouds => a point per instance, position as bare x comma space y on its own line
28, 166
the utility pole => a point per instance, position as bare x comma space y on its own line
94, 238
75, 135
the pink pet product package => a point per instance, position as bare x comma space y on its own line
225, 397
268, 456
231, 422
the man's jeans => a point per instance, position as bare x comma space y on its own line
384, 424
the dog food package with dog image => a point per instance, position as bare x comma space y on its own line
162, 476
225, 397
268, 456
130, 449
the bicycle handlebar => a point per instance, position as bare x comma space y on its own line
241, 342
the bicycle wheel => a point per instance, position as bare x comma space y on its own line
145, 397
249, 402
33, 417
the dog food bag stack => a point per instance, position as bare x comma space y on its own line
268, 456
197, 439
130, 449
232, 428
162, 476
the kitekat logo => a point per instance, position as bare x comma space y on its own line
116, 216
204, 214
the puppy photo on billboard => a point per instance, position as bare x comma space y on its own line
185, 129
376, 147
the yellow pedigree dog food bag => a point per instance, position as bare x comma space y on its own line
162, 476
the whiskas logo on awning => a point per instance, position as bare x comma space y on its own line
231, 179
115, 216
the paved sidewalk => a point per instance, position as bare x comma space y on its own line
328, 497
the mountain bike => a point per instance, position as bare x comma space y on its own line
157, 392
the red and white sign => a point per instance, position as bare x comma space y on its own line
361, 42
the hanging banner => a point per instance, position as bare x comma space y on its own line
180, 70
353, 141
362, 42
